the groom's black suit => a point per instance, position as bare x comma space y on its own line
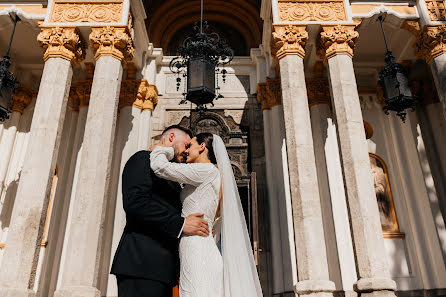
147, 254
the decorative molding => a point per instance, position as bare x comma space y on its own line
305, 10
112, 41
431, 42
86, 12
436, 10
318, 91
289, 40
21, 98
412, 26
338, 39
61, 42
138, 93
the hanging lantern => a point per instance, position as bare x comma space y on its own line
200, 57
395, 84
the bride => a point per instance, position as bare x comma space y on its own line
210, 185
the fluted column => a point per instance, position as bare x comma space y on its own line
82, 263
308, 228
62, 47
21, 99
373, 273
431, 46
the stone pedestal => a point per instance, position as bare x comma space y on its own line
29, 213
308, 228
372, 267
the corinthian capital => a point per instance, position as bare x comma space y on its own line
289, 40
431, 42
112, 41
21, 99
338, 39
61, 42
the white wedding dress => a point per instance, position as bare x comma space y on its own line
201, 265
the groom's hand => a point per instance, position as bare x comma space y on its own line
195, 225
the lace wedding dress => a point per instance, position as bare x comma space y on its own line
201, 265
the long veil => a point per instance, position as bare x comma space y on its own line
240, 273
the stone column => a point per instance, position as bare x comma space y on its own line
62, 47
431, 46
146, 101
374, 278
83, 263
308, 228
21, 99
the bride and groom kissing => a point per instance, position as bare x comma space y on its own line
175, 197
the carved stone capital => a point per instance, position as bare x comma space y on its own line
138, 93
318, 91
289, 40
431, 42
338, 39
79, 96
269, 93
61, 42
112, 41
21, 98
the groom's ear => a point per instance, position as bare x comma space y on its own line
171, 137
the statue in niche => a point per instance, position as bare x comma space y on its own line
383, 194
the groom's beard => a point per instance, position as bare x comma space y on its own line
178, 157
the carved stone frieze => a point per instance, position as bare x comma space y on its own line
306, 10
61, 42
86, 12
289, 40
436, 10
138, 93
318, 91
21, 98
338, 39
431, 42
112, 41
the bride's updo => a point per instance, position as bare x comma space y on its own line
207, 138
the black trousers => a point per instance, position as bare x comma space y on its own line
138, 287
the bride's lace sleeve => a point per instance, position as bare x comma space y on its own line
192, 174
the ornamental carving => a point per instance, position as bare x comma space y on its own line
138, 93
436, 10
326, 11
21, 98
338, 39
269, 93
112, 41
318, 91
431, 42
80, 92
60, 42
411, 26
289, 40
87, 12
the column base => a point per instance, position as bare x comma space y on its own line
15, 292
77, 291
375, 287
315, 288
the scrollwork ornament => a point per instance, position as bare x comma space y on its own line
289, 40
61, 42
112, 41
431, 42
86, 12
338, 39
325, 11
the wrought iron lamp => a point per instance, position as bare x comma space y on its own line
395, 84
198, 62
7, 79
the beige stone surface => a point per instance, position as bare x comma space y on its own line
309, 234
7, 144
438, 67
19, 261
85, 239
366, 226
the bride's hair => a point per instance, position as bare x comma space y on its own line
207, 138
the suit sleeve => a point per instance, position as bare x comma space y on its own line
137, 198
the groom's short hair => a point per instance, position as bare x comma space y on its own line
184, 129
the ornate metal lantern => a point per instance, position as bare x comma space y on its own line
395, 84
7, 79
198, 62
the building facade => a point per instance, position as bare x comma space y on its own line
340, 198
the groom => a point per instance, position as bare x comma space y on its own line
146, 260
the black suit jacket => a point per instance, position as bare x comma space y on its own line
149, 244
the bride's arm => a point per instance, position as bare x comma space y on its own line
192, 174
